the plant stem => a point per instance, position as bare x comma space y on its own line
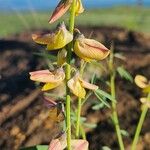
140, 124
68, 75
114, 113
78, 118
82, 67
113, 94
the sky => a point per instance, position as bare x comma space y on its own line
8, 5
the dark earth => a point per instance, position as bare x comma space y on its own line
23, 117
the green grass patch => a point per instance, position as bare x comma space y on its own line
133, 18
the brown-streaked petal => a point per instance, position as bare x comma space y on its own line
42, 76
88, 85
55, 145
79, 144
89, 49
43, 39
46, 76
60, 10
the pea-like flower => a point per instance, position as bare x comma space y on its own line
89, 49
143, 83
60, 38
77, 86
63, 6
51, 79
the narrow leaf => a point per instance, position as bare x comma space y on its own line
124, 74
101, 99
105, 94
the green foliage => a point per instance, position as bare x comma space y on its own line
105, 94
98, 106
37, 147
124, 133
105, 148
124, 73
102, 99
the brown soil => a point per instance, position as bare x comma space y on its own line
23, 117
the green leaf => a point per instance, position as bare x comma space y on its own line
37, 147
124, 74
105, 94
105, 148
93, 78
124, 133
98, 106
90, 125
102, 100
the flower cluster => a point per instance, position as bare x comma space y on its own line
86, 49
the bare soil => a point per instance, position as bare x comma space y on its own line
23, 117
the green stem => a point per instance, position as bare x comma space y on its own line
140, 124
82, 67
114, 113
82, 132
68, 75
78, 118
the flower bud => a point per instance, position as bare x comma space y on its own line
89, 49
60, 10
79, 7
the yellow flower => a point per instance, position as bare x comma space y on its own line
77, 85
56, 40
51, 79
79, 7
89, 49
143, 83
60, 10
61, 57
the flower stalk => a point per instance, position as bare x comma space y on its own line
68, 75
140, 124
113, 94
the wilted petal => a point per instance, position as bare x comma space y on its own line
49, 102
141, 81
60, 10
61, 57
55, 145
79, 8
61, 38
43, 39
76, 88
89, 49
79, 145
88, 85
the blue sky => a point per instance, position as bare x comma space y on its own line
49, 4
